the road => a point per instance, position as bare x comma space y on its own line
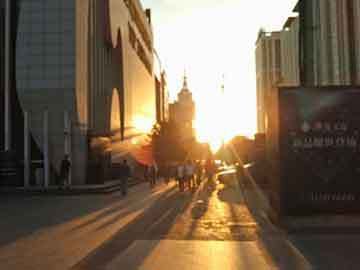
216, 227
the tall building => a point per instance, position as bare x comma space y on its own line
268, 71
162, 100
84, 69
182, 112
329, 33
2, 43
354, 8
289, 36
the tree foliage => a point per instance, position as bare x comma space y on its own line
167, 144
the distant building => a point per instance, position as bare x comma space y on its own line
268, 71
289, 43
182, 112
89, 65
330, 39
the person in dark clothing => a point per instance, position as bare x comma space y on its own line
125, 175
64, 170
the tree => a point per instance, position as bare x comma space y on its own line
167, 144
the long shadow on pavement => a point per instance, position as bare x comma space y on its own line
22, 216
154, 223
274, 242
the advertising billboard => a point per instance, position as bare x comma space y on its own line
319, 143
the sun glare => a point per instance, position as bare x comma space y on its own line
211, 38
222, 116
143, 124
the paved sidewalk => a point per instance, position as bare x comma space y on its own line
190, 255
308, 242
213, 230
57, 232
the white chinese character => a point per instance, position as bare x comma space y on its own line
351, 142
308, 143
329, 142
343, 126
319, 142
318, 126
340, 141
305, 127
327, 126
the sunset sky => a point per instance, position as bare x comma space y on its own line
209, 38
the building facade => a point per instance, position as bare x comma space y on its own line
182, 112
289, 37
329, 34
84, 74
268, 71
162, 99
2, 49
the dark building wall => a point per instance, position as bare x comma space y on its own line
2, 29
159, 100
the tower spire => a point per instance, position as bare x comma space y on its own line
185, 85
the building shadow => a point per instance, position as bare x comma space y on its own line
22, 216
153, 224
279, 250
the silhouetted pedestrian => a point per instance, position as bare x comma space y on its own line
199, 173
125, 175
180, 176
189, 174
65, 170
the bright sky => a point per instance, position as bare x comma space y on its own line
210, 38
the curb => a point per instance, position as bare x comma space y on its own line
72, 191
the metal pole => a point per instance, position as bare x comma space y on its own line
46, 149
7, 113
27, 155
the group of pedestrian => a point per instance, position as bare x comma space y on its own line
151, 173
189, 175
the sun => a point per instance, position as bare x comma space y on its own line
220, 116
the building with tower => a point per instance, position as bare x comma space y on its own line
182, 112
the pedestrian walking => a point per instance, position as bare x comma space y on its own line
125, 175
180, 175
152, 172
167, 174
155, 173
199, 173
210, 172
65, 170
189, 174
